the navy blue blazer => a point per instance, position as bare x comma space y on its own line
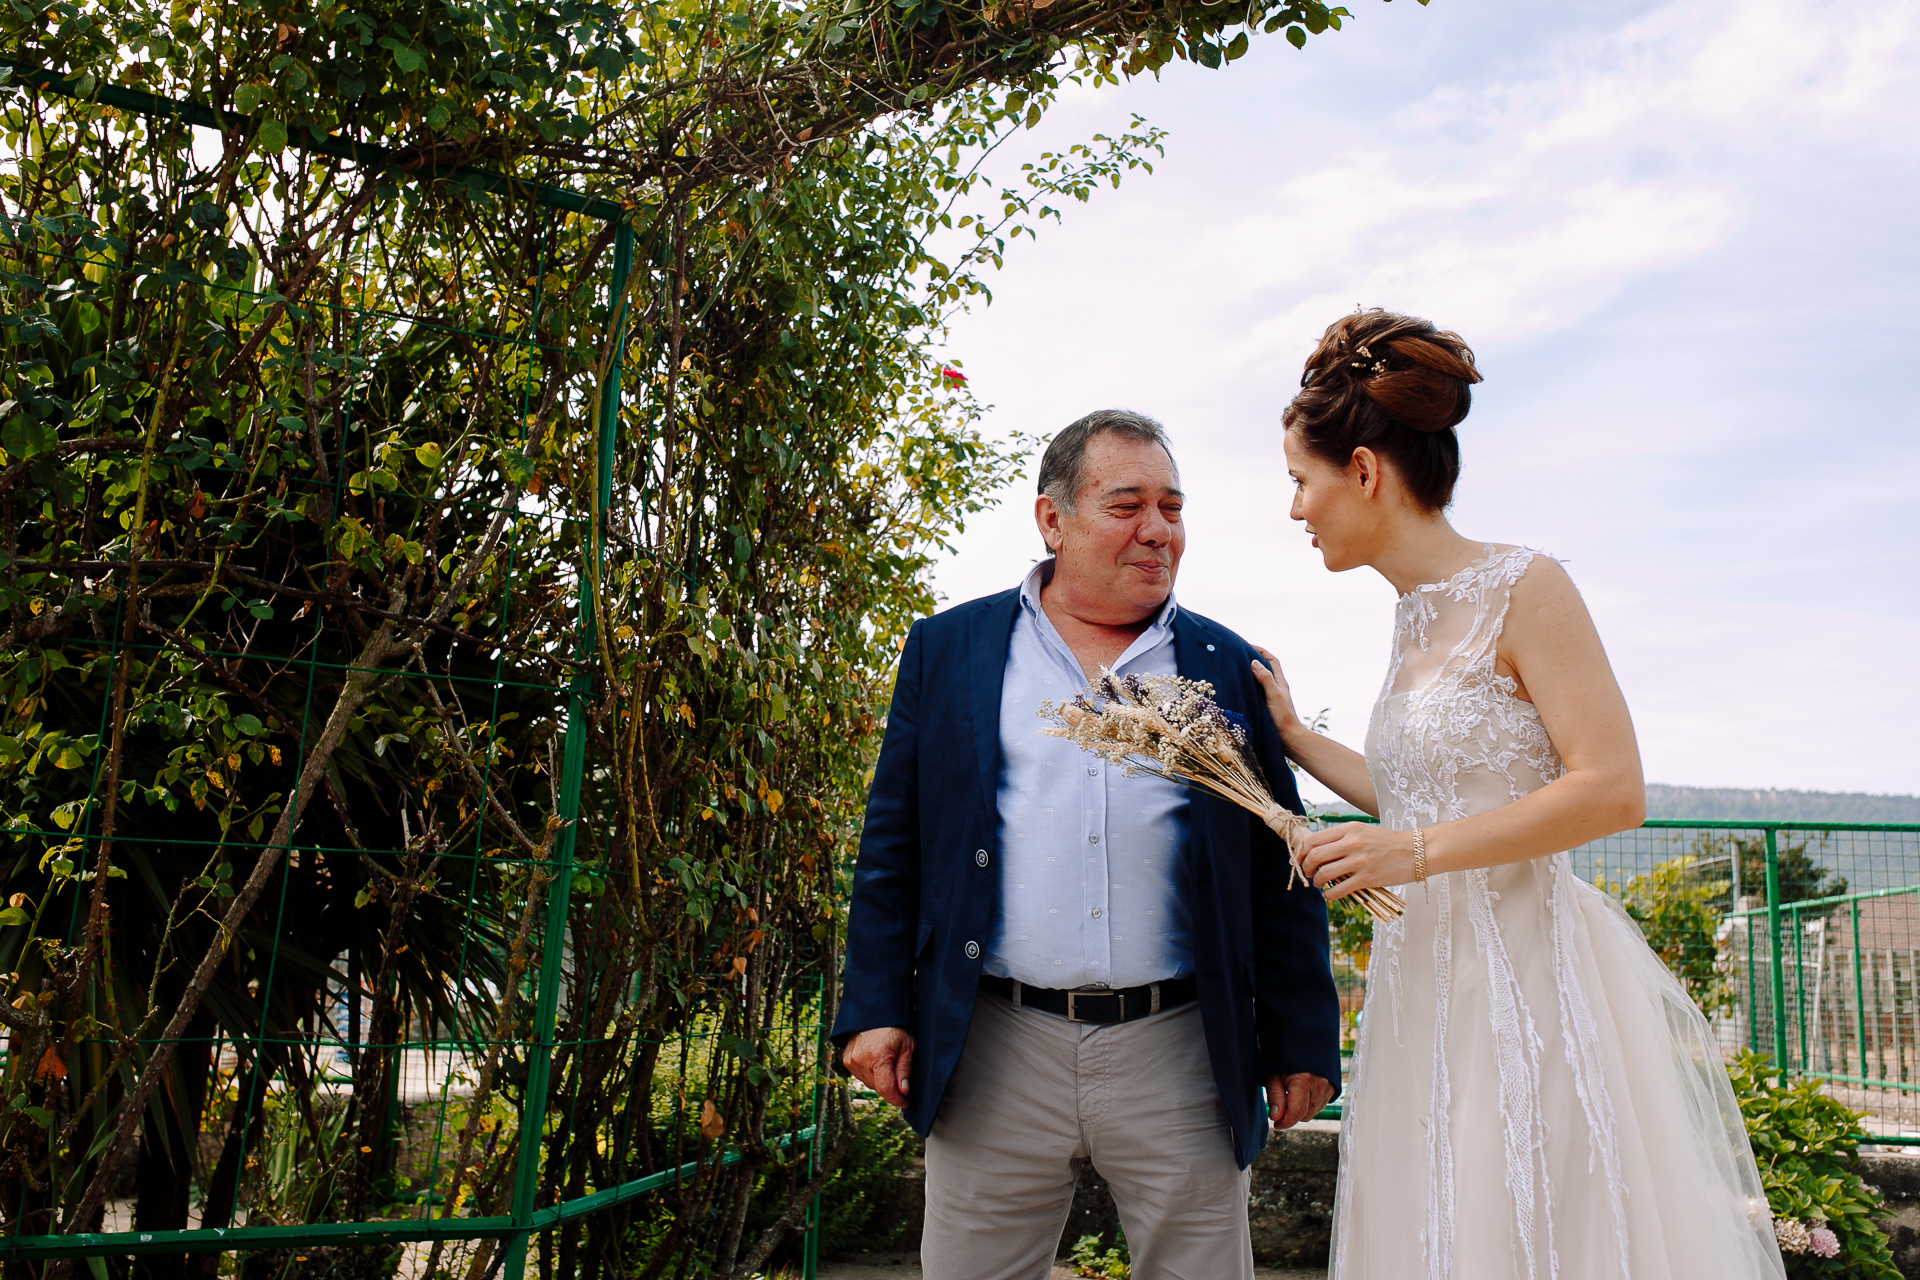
924, 897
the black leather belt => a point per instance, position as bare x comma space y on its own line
1097, 1004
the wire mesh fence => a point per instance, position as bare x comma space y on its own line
327, 942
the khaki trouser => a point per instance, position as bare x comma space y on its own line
1034, 1093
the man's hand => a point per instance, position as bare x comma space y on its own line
881, 1059
1291, 1099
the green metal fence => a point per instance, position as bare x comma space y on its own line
376, 1067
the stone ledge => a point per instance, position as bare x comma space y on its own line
1291, 1202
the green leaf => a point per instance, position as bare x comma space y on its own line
11, 751
272, 139
246, 99
1297, 37
429, 456
68, 757
26, 437
406, 59
248, 723
12, 915
1238, 47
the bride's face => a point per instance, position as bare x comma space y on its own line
1330, 501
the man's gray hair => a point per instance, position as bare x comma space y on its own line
1063, 467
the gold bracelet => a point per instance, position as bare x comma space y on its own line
1419, 856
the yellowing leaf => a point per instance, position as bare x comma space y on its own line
712, 1123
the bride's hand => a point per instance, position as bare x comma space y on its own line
1279, 696
1366, 855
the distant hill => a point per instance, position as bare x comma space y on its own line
1734, 804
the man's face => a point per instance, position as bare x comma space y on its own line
1117, 552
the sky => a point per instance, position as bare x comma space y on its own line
1681, 239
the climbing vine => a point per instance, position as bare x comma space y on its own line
335, 650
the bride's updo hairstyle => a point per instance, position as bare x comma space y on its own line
1390, 383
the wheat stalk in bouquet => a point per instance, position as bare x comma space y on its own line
1172, 728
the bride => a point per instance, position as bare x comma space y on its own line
1532, 1095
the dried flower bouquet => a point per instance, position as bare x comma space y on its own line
1172, 728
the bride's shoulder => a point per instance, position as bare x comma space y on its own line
1510, 563
1538, 585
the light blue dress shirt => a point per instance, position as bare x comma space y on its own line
1092, 862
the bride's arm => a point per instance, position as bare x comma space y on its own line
1555, 654
1339, 769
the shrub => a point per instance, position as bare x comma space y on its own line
1111, 1264
857, 1208
1806, 1144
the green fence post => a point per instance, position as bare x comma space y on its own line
1775, 956
533, 1108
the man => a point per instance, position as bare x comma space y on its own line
1051, 962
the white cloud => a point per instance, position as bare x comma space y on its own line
1657, 224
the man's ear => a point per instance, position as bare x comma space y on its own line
1046, 516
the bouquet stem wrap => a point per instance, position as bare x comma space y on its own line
1171, 728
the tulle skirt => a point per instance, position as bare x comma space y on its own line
1534, 1095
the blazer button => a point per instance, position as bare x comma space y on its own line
973, 951
980, 857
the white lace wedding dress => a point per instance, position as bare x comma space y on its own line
1533, 1095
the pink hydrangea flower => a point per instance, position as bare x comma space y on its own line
1822, 1243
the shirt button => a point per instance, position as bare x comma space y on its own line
980, 857
1093, 839
1209, 648
973, 951
1092, 772
1096, 913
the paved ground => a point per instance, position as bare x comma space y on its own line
906, 1266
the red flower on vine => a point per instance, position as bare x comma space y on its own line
952, 377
